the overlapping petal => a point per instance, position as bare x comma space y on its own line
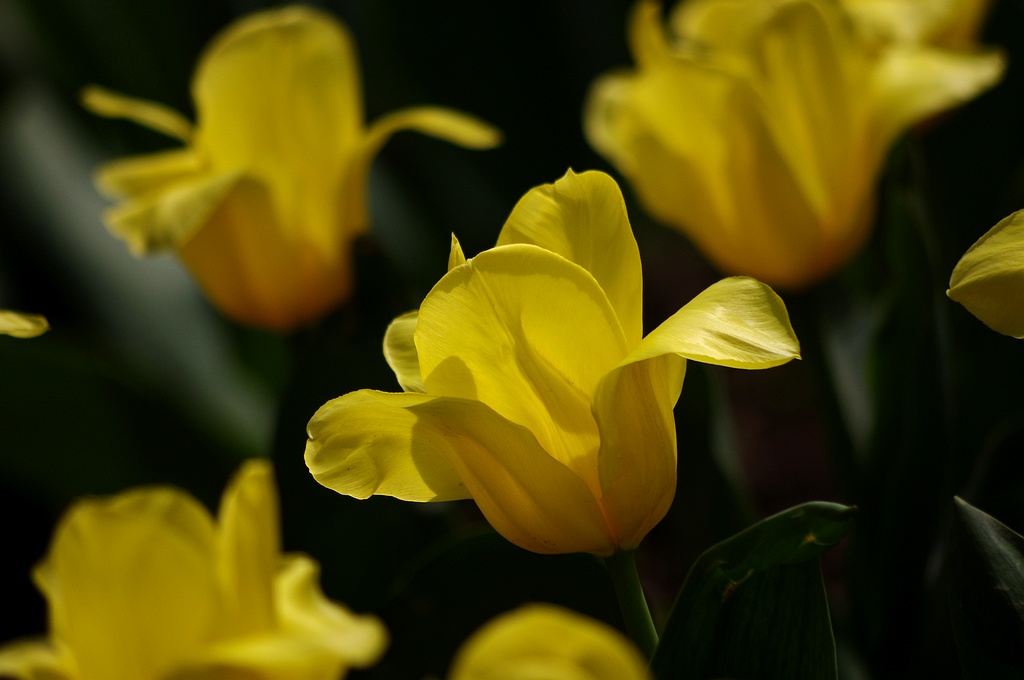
989, 279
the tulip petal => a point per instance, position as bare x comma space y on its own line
138, 175
167, 217
453, 126
544, 641
362, 444
455, 255
33, 660
316, 638
737, 322
530, 334
989, 279
115, 562
634, 410
421, 447
18, 325
913, 83
583, 218
250, 549
400, 351
104, 102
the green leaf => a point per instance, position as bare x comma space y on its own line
987, 595
754, 606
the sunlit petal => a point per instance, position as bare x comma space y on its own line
582, 217
989, 279
737, 322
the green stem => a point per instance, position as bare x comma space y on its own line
632, 602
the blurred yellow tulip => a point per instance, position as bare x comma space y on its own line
542, 641
18, 325
759, 127
952, 24
530, 388
989, 279
146, 585
264, 201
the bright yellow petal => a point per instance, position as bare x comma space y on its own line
104, 102
258, 273
737, 322
20, 325
989, 279
130, 583
400, 351
138, 175
543, 641
415, 446
633, 407
455, 255
316, 638
509, 329
362, 444
33, 660
250, 550
914, 83
442, 123
583, 218
166, 217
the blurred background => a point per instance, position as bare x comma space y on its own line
903, 398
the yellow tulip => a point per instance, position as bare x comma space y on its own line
544, 641
263, 202
530, 388
759, 128
989, 279
20, 325
146, 585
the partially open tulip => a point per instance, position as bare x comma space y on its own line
545, 642
18, 325
146, 585
989, 279
530, 388
759, 128
263, 202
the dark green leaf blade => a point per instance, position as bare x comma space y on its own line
754, 606
987, 595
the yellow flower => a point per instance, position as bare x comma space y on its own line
147, 586
264, 201
542, 641
20, 325
989, 279
530, 388
952, 24
760, 127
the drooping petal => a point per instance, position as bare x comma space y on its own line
18, 325
33, 660
913, 83
130, 583
104, 102
168, 216
139, 175
583, 218
362, 444
400, 351
633, 407
530, 334
737, 322
414, 445
316, 639
543, 641
249, 550
453, 126
989, 279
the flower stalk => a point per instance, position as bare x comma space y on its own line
632, 601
